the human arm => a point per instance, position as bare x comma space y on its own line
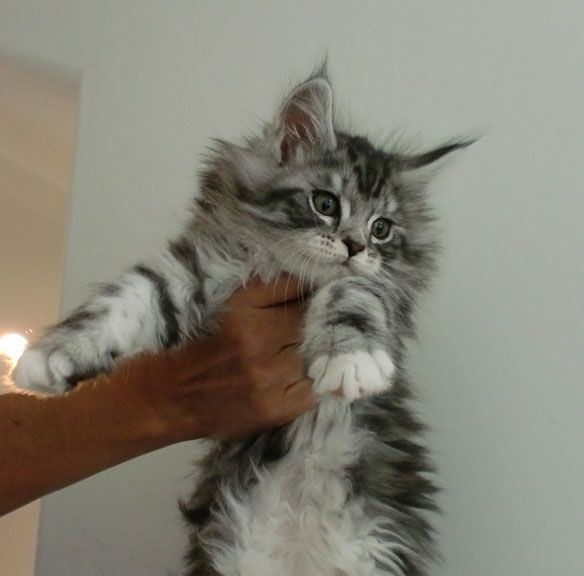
244, 379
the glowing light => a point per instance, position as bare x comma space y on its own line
12, 346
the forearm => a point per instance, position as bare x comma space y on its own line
49, 443
246, 379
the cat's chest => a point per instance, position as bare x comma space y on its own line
301, 518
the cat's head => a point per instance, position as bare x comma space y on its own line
326, 204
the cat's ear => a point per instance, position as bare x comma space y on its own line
418, 169
305, 121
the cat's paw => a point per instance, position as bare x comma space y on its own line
353, 375
46, 374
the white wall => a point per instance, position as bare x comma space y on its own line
38, 113
38, 110
498, 365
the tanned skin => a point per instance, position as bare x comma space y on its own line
245, 379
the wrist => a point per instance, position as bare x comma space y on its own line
123, 422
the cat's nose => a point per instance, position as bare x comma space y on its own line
353, 247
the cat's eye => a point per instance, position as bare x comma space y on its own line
381, 228
325, 203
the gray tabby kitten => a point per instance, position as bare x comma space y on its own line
343, 490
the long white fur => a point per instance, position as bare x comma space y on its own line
300, 519
130, 327
133, 320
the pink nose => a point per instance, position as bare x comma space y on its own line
353, 247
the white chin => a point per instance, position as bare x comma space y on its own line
355, 266
332, 270
324, 272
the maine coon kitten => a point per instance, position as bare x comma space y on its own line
344, 490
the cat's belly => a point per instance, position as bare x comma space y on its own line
301, 521
302, 518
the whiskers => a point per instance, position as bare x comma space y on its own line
293, 259
293, 255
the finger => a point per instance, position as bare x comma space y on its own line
284, 288
282, 324
284, 368
299, 396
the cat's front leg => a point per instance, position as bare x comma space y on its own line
347, 339
151, 307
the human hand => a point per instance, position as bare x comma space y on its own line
246, 378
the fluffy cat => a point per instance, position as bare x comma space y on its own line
345, 489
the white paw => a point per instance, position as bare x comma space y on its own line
34, 372
352, 375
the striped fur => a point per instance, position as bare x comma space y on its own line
343, 490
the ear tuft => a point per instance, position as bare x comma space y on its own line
419, 169
427, 158
305, 121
